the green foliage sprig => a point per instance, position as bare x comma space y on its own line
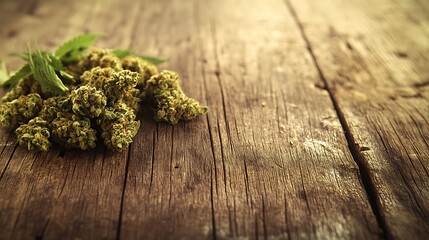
48, 68
73, 49
124, 52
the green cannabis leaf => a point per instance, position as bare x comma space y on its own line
22, 55
53, 60
44, 72
4, 76
66, 77
121, 53
153, 60
73, 49
20, 74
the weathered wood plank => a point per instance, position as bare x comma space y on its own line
168, 188
270, 159
373, 55
62, 194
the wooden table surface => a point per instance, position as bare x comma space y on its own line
317, 128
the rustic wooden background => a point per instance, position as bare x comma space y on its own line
318, 124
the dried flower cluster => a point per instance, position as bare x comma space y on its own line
101, 104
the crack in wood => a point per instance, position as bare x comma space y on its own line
171, 168
10, 133
121, 207
155, 133
367, 182
212, 206
8, 161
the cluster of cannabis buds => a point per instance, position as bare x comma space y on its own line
72, 97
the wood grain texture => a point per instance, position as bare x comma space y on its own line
270, 160
374, 56
275, 157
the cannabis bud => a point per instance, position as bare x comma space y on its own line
119, 84
97, 76
118, 126
171, 104
145, 69
23, 87
73, 131
34, 135
54, 106
115, 85
99, 58
20, 110
88, 101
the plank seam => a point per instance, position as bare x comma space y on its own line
121, 208
212, 146
155, 134
8, 161
359, 159
212, 207
7, 140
